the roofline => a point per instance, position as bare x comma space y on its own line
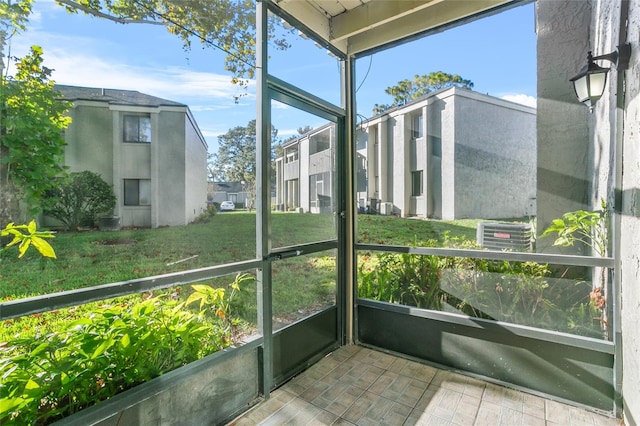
442, 93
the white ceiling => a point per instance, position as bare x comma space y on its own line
355, 26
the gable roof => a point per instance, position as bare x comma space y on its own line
228, 187
113, 96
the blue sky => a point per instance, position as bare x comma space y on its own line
497, 53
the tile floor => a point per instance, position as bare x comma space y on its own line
360, 386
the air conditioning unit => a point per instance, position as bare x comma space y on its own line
504, 236
386, 209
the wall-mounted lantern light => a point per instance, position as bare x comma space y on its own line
589, 84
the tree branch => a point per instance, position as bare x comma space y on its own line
121, 20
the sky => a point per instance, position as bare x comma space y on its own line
498, 54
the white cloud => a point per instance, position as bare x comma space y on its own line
521, 99
175, 83
89, 64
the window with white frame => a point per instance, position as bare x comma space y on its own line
137, 192
137, 128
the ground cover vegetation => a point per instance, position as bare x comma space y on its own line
525, 293
114, 347
56, 363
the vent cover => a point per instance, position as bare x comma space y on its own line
504, 236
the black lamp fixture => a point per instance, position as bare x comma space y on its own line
589, 84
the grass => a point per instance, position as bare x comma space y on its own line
300, 285
92, 258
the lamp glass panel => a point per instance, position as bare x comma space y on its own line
596, 84
581, 88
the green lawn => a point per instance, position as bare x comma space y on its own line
300, 285
93, 258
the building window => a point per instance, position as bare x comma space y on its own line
416, 183
137, 192
416, 126
320, 141
137, 128
292, 156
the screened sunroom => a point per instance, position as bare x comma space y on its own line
470, 234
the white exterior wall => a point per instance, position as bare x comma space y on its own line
398, 159
578, 150
564, 170
195, 181
495, 167
630, 224
175, 160
448, 160
468, 138
303, 182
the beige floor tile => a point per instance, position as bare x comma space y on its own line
466, 411
419, 371
360, 386
338, 398
493, 393
603, 420
488, 414
557, 413
510, 417
529, 420
370, 408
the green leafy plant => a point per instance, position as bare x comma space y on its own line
26, 236
79, 199
588, 228
118, 346
517, 292
591, 230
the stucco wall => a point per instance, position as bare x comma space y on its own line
304, 177
576, 154
175, 160
196, 172
170, 172
446, 109
564, 169
630, 238
90, 142
495, 168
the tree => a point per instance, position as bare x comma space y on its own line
235, 160
14, 16
32, 118
224, 24
79, 199
408, 90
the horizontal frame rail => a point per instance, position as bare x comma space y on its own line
567, 339
63, 299
300, 249
553, 259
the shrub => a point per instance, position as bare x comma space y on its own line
79, 200
207, 215
119, 346
516, 292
